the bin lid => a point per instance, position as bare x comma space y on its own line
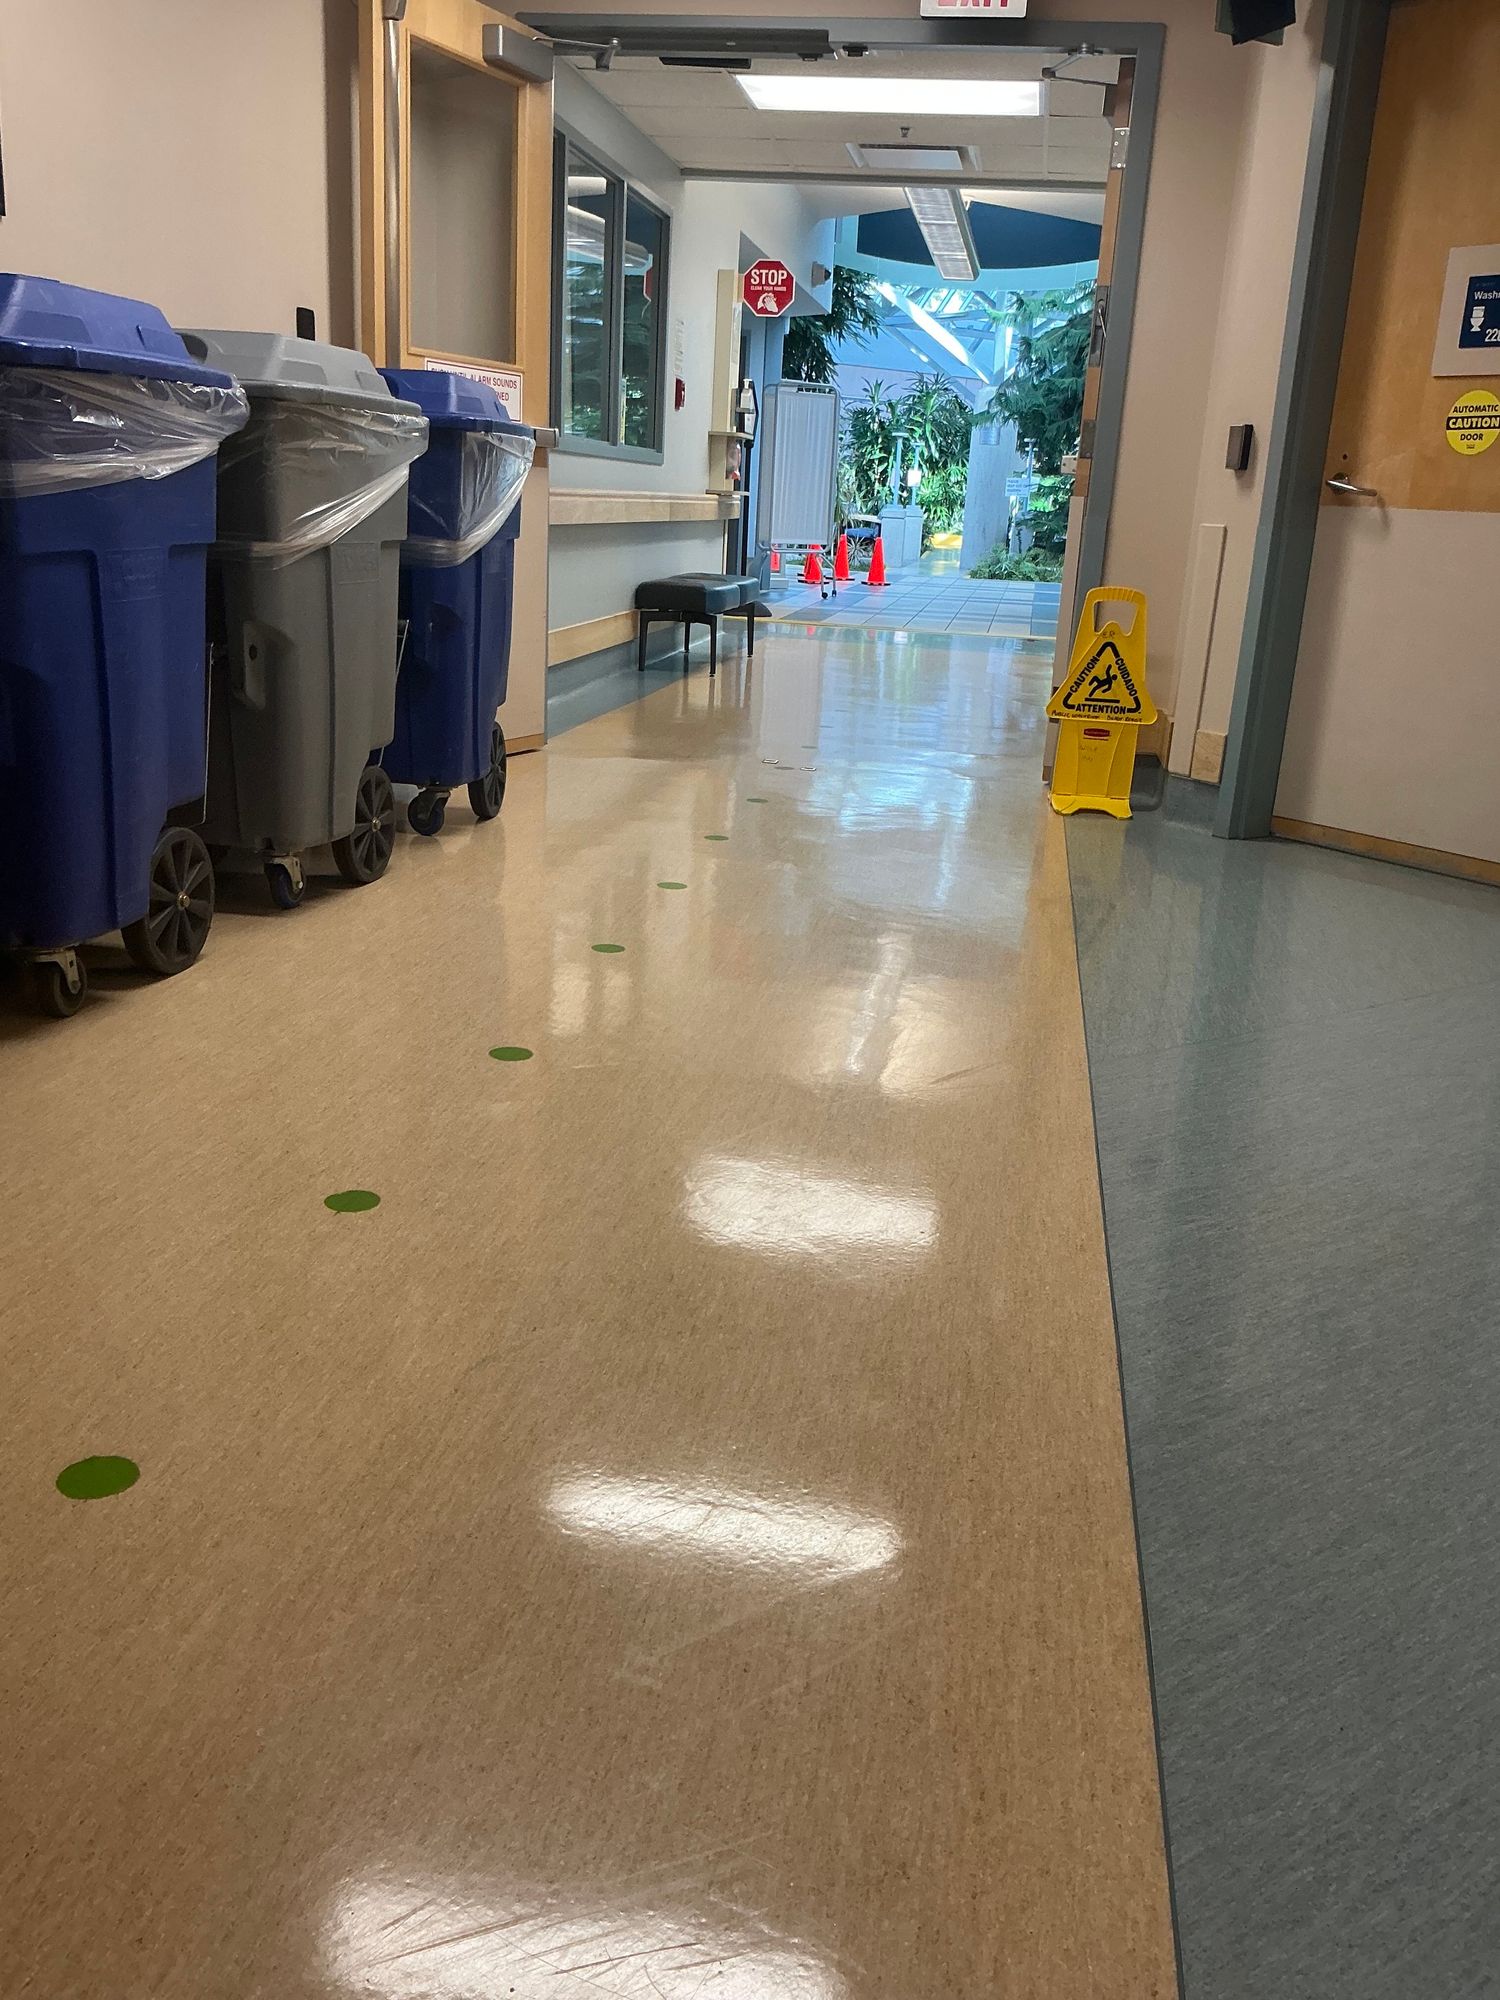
280, 365
47, 324
451, 401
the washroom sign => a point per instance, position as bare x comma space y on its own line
1468, 341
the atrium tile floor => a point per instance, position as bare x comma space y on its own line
934, 598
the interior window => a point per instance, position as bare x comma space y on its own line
640, 369
612, 250
590, 211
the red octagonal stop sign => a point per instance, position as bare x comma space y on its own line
769, 290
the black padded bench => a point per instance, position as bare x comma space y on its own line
696, 598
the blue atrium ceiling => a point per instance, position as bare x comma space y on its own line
1008, 239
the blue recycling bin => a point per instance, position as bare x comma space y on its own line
457, 592
108, 432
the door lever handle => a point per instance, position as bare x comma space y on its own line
1342, 485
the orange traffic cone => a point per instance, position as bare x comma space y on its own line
841, 561
877, 562
812, 569
775, 562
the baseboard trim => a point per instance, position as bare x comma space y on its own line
517, 746
1155, 740
1434, 860
595, 635
1208, 756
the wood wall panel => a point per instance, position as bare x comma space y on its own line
1434, 184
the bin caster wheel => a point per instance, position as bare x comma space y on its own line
174, 930
427, 811
56, 989
364, 855
288, 885
488, 795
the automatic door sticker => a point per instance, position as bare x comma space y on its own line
1474, 422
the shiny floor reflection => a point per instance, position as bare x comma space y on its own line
679, 1542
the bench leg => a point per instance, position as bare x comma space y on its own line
640, 658
713, 647
687, 643
750, 623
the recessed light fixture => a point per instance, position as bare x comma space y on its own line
896, 96
944, 222
902, 161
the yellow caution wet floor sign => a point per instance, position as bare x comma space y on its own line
1101, 704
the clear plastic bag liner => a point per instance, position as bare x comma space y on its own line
303, 473
64, 429
492, 471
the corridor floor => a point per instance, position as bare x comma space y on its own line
678, 1544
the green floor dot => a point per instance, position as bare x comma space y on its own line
609, 947
716, 836
757, 802
97, 1478
510, 1055
671, 885
353, 1201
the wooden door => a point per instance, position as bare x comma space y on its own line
1393, 741
456, 249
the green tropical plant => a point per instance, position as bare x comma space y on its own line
867, 460
929, 428
809, 355
1035, 566
941, 497
1047, 511
1043, 396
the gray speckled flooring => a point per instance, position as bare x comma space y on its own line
1296, 1062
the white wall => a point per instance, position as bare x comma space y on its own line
193, 153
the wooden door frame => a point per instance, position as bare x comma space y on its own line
387, 29
1333, 193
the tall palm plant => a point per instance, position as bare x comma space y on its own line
809, 354
1043, 396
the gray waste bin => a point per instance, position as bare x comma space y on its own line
303, 582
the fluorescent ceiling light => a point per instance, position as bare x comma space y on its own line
903, 161
944, 223
895, 96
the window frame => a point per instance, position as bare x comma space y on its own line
622, 189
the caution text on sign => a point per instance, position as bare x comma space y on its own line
1104, 688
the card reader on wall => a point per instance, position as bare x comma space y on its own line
1241, 447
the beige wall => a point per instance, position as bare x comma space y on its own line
1242, 388
195, 153
1394, 731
